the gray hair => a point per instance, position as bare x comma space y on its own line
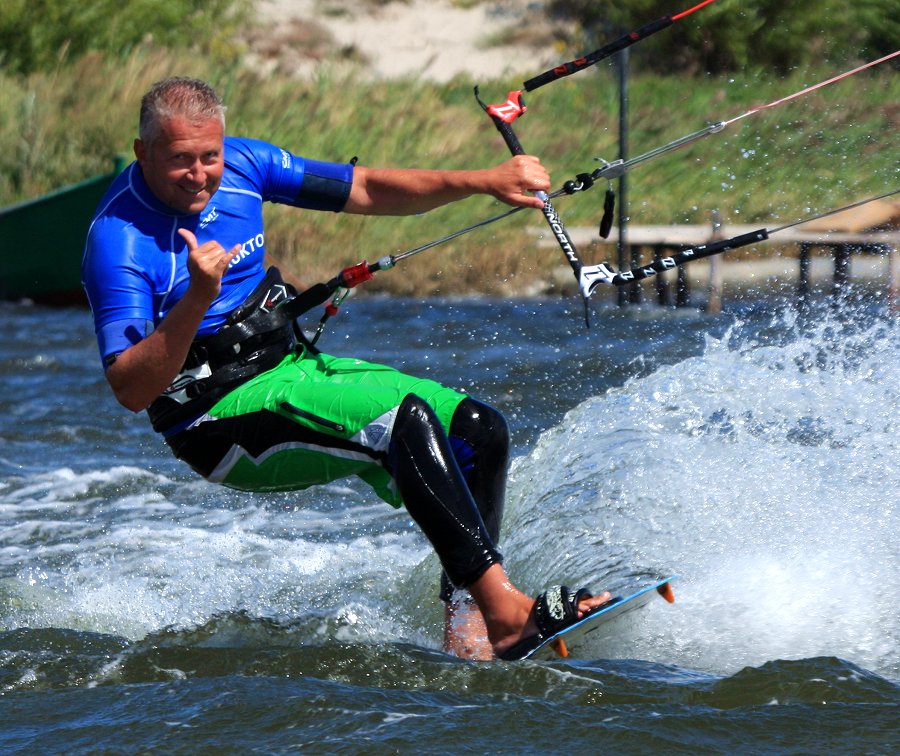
178, 96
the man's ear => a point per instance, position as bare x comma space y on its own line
140, 150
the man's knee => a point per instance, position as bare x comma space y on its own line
476, 430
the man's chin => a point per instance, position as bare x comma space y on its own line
195, 205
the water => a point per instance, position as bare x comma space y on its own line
758, 456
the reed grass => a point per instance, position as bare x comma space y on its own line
829, 148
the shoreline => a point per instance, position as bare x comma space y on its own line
434, 40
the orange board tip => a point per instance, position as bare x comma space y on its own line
559, 645
665, 590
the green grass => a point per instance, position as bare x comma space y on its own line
832, 147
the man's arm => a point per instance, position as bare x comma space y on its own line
407, 191
142, 372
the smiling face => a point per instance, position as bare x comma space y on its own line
183, 165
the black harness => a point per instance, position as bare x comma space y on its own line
255, 338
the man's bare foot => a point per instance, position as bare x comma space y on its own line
465, 634
508, 613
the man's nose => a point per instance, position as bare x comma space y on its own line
197, 172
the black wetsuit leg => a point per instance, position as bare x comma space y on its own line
479, 437
436, 493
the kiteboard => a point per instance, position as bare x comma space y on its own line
566, 641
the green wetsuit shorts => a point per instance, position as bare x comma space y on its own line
312, 419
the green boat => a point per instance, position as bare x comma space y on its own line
42, 242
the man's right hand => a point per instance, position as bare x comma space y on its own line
207, 263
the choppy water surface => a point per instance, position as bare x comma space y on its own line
756, 455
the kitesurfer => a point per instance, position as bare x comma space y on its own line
187, 320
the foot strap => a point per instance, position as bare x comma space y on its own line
554, 610
557, 608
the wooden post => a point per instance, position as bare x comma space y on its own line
893, 279
803, 276
683, 288
634, 290
663, 281
623, 293
841, 272
714, 300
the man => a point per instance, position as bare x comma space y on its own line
195, 333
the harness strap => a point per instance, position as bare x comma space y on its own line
259, 322
256, 337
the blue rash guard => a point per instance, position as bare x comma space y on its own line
135, 262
